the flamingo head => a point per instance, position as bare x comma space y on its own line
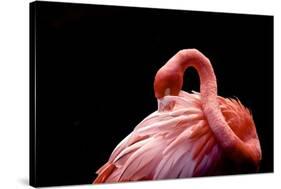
167, 82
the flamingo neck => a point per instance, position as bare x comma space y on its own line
208, 89
193, 58
171, 76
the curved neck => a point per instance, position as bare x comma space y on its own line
193, 58
208, 89
170, 76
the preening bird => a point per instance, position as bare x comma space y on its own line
191, 134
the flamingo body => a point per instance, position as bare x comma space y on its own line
177, 140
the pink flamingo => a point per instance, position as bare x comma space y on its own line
190, 134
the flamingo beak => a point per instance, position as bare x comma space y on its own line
167, 92
165, 104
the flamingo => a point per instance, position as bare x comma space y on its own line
190, 135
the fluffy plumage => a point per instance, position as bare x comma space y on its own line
176, 143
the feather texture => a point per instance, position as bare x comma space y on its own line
171, 144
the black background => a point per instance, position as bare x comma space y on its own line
94, 74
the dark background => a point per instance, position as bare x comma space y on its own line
92, 70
